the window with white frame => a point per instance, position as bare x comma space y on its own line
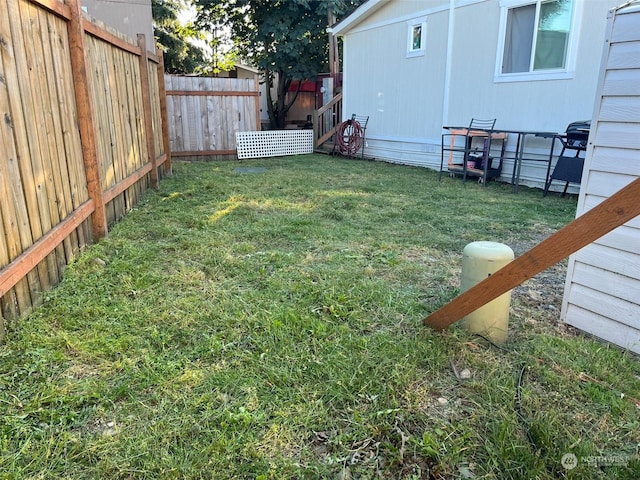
536, 36
416, 37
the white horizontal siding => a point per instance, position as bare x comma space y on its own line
605, 328
605, 184
602, 293
616, 134
614, 308
624, 56
627, 161
626, 29
622, 82
623, 238
612, 259
626, 108
610, 283
404, 151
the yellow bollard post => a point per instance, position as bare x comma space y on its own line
479, 261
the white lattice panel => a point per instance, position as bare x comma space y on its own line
274, 143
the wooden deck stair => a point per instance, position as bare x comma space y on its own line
325, 123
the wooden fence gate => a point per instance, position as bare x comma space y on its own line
204, 113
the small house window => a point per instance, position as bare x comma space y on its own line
536, 36
416, 37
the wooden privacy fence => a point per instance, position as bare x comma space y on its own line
81, 138
205, 113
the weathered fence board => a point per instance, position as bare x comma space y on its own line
204, 114
79, 105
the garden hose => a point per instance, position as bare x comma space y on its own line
349, 138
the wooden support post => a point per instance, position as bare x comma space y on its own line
84, 105
162, 89
316, 129
600, 220
334, 62
257, 88
146, 109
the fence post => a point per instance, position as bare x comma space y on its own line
257, 88
146, 109
84, 105
162, 89
316, 128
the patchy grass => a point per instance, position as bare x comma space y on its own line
267, 325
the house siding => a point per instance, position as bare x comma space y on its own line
130, 17
409, 102
603, 279
403, 96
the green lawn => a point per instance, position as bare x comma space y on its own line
263, 319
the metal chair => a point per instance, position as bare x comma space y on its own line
476, 161
569, 168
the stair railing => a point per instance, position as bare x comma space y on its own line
326, 120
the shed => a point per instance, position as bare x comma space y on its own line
602, 290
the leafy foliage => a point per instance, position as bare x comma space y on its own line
286, 39
180, 55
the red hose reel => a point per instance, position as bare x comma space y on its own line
349, 138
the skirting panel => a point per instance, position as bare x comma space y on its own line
274, 143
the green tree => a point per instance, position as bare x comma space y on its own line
285, 39
180, 55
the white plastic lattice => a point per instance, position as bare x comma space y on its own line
274, 143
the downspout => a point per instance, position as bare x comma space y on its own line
448, 66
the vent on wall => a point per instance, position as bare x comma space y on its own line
274, 143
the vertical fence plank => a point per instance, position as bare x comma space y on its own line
185, 107
171, 117
110, 120
32, 95
203, 120
64, 83
14, 211
22, 108
256, 87
59, 162
146, 109
138, 130
116, 101
85, 119
156, 115
162, 90
55, 188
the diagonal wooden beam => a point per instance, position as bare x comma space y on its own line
600, 220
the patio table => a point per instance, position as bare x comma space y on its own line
519, 154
